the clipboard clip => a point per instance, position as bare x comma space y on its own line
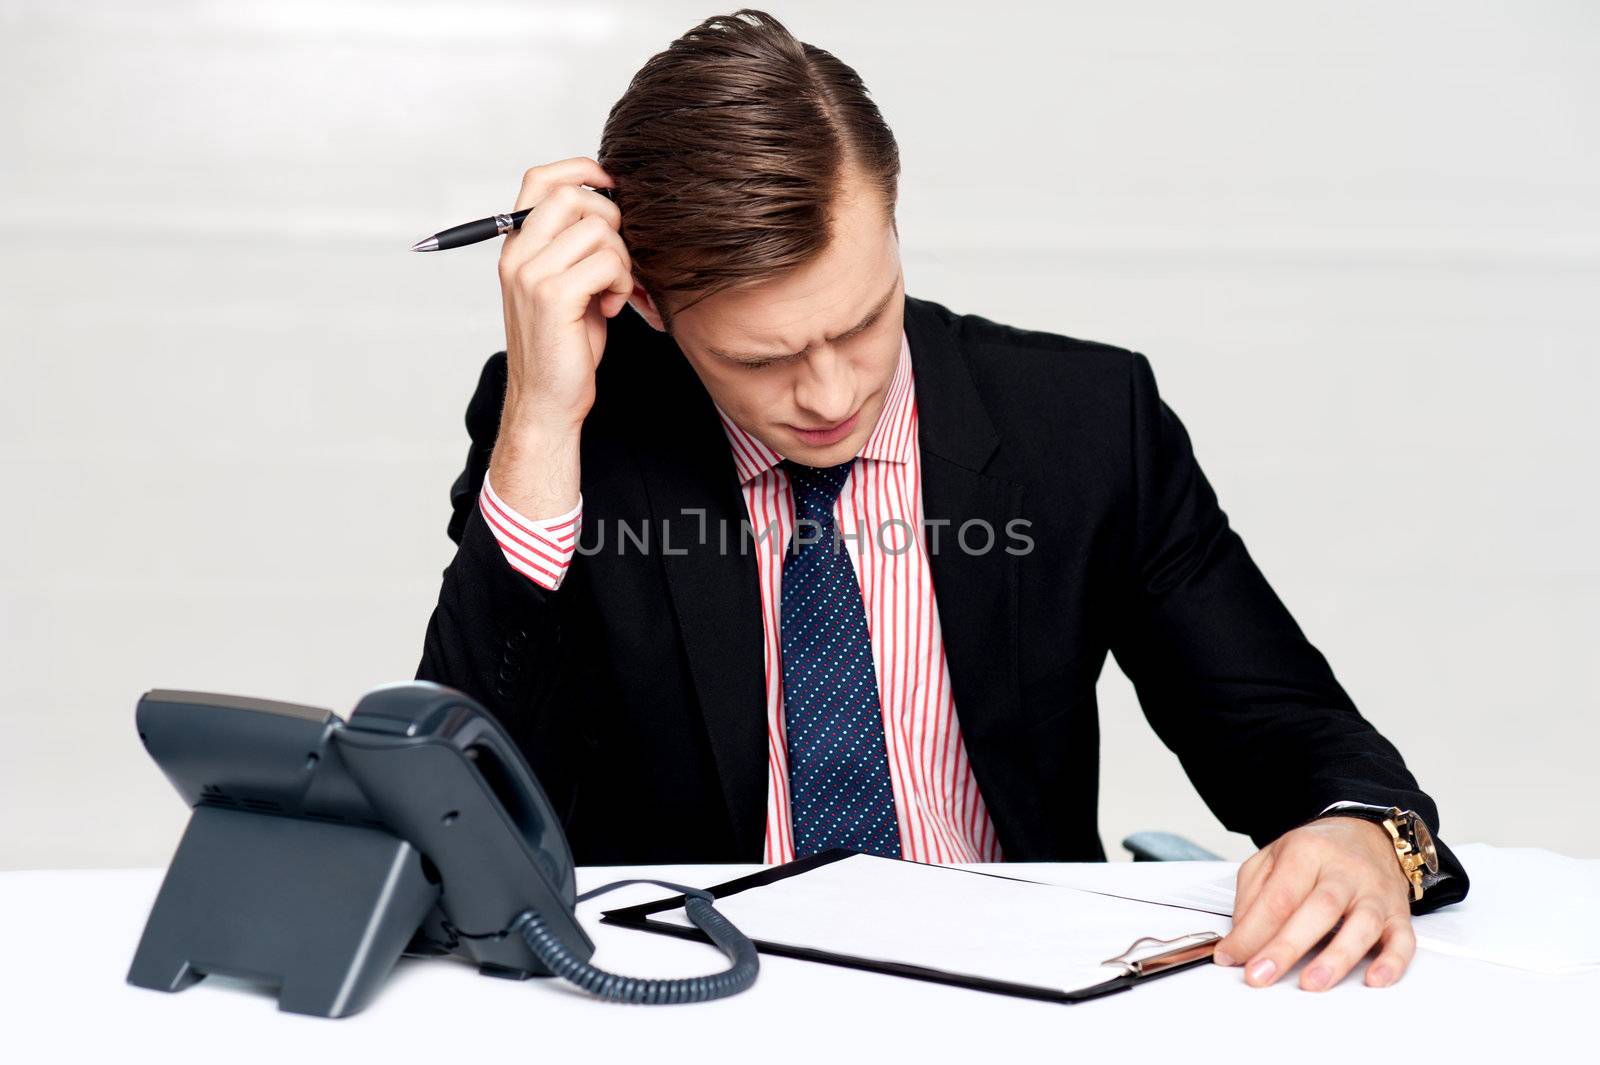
1149, 955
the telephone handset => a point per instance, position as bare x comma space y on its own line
319, 851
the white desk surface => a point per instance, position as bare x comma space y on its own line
70, 935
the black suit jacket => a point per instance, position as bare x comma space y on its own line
636, 689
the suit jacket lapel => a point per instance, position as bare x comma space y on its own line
694, 494
976, 589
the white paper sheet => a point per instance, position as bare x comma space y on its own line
1207, 896
953, 920
1528, 908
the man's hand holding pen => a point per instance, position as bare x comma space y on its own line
562, 275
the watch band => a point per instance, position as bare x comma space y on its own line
1410, 835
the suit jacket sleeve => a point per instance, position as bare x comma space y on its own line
1225, 676
494, 634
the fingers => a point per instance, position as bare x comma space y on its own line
578, 241
540, 180
558, 202
538, 262
1363, 924
562, 273
572, 290
1316, 915
560, 207
1252, 874
1283, 888
1334, 874
563, 209
1399, 947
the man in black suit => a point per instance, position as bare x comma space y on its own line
642, 677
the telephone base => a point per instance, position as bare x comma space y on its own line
322, 910
505, 972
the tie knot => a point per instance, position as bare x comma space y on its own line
817, 486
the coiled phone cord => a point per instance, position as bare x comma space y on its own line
739, 975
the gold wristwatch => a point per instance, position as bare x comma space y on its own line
1413, 843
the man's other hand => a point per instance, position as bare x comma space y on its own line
1294, 891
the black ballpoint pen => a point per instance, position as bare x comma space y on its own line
481, 230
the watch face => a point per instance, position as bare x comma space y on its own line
1425, 847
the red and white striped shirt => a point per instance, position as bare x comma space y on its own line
879, 515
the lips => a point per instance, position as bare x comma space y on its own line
829, 434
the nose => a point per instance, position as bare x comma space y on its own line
825, 391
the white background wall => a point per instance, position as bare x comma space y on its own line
1359, 241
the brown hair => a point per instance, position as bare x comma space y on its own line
727, 150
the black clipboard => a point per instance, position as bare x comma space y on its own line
1149, 966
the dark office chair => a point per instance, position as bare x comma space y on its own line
1166, 847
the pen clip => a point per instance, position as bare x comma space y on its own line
1137, 961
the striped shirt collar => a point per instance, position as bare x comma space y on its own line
890, 440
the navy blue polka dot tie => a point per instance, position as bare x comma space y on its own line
840, 794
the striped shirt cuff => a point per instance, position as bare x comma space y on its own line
539, 550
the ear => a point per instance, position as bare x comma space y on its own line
647, 308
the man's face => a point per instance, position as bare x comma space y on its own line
803, 362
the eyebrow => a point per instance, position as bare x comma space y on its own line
852, 331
